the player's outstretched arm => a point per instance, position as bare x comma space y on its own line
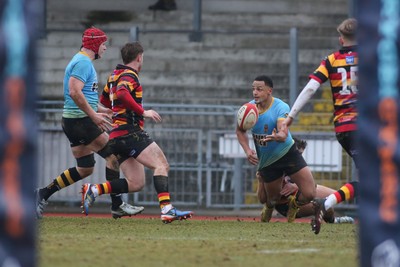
305, 95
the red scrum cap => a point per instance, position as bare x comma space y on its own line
92, 38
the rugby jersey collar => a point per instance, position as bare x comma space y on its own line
124, 67
346, 49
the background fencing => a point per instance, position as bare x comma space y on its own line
207, 166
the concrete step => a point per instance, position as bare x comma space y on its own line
153, 63
322, 30
240, 40
149, 77
322, 7
160, 41
315, 118
183, 65
326, 93
286, 19
196, 51
323, 106
275, 7
311, 128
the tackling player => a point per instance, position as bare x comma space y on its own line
288, 189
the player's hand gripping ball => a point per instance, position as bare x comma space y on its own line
247, 116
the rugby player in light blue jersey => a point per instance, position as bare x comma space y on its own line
81, 68
275, 152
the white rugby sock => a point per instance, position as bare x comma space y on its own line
95, 190
166, 208
330, 201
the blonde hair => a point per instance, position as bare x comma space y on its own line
348, 29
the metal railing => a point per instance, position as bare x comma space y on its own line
201, 174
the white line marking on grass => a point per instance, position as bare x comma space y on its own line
305, 250
229, 239
195, 238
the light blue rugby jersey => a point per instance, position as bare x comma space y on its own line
80, 67
269, 152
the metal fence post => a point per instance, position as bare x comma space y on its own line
208, 169
237, 179
200, 169
42, 23
352, 9
293, 70
196, 35
134, 34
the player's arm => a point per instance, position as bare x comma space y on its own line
280, 135
127, 100
243, 140
75, 91
105, 110
305, 95
288, 188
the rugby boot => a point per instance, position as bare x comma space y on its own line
40, 204
126, 209
319, 212
292, 210
266, 213
88, 198
344, 219
175, 214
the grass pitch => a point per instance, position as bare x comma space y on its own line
127, 242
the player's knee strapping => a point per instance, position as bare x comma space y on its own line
86, 161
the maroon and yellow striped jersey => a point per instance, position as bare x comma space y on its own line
123, 77
341, 68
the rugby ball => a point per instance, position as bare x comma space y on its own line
247, 116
